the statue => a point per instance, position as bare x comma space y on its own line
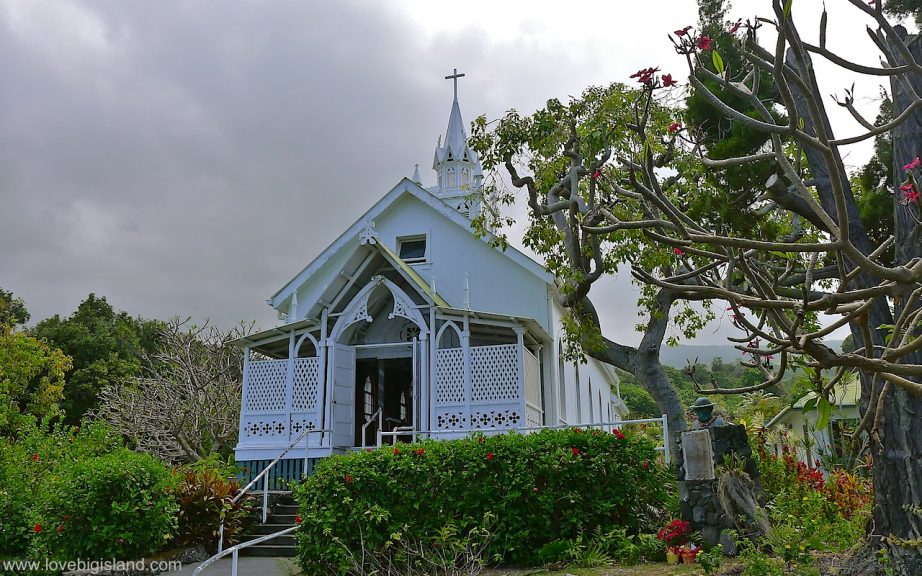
704, 409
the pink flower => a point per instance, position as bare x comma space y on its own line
678, 251
914, 164
735, 26
704, 43
683, 31
674, 127
597, 174
668, 82
911, 196
535, 489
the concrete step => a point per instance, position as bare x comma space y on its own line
268, 528
286, 509
270, 550
286, 540
281, 519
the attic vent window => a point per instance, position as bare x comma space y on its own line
412, 249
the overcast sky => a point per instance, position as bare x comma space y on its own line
188, 158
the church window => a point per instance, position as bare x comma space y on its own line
451, 178
465, 177
561, 384
412, 248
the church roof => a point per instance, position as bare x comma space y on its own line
404, 187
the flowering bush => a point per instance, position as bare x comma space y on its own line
119, 505
536, 488
27, 460
675, 533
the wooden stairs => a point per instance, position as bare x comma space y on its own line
281, 516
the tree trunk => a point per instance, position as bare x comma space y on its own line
644, 364
896, 445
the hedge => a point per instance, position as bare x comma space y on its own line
532, 490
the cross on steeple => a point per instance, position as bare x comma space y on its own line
455, 77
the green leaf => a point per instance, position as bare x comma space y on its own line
787, 8
809, 404
824, 409
718, 62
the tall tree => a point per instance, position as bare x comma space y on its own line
816, 258
185, 405
31, 378
106, 347
12, 309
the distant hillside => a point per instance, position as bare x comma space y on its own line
678, 356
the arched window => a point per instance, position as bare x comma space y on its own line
465, 177
561, 384
451, 178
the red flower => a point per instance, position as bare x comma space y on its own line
683, 31
668, 82
735, 26
911, 196
678, 251
674, 127
577, 430
298, 519
704, 43
60, 527
348, 478
420, 452
618, 434
489, 456
645, 75
38, 528
396, 451
914, 164
66, 517
35, 457
597, 174
575, 450
646, 464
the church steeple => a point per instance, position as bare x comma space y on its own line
460, 176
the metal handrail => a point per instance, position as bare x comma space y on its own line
265, 473
233, 551
379, 415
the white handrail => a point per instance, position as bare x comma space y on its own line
379, 415
265, 473
233, 550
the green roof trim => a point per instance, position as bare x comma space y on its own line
411, 274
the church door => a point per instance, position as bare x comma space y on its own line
343, 398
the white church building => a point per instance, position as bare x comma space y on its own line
409, 325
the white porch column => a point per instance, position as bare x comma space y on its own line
326, 379
520, 366
422, 415
243, 394
289, 383
466, 350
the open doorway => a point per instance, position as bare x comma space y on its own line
386, 384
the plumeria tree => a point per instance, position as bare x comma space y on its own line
622, 180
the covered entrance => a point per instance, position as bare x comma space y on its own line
384, 397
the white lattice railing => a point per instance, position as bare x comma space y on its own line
489, 401
534, 407
270, 412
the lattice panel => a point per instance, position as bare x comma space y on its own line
449, 376
532, 379
496, 418
533, 417
269, 427
266, 386
494, 373
450, 419
306, 387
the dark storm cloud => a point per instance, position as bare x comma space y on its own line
189, 158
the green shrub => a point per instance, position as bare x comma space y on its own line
119, 505
537, 488
32, 457
205, 497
